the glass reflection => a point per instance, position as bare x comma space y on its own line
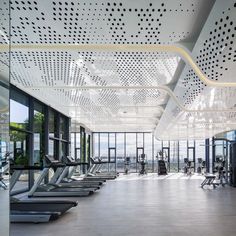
4, 119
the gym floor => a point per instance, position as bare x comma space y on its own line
146, 205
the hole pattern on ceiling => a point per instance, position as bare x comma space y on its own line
4, 37
67, 22
4, 22
96, 22
97, 68
94, 68
216, 56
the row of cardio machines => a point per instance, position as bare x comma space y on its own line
141, 160
61, 184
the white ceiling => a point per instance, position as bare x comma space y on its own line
215, 54
56, 75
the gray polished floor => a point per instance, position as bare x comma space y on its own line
150, 206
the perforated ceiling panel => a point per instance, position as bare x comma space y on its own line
4, 39
47, 73
89, 22
215, 54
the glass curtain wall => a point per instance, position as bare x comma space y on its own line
20, 135
80, 148
182, 154
191, 153
148, 150
72, 145
157, 149
120, 151
174, 156
117, 146
166, 153
211, 155
58, 134
35, 130
131, 151
75, 145
140, 148
200, 153
112, 152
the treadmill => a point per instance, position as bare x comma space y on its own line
33, 210
54, 190
92, 175
97, 170
63, 178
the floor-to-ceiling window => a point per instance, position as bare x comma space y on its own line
20, 134
52, 147
182, 154
148, 150
117, 146
58, 134
80, 147
72, 144
112, 151
35, 130
96, 145
157, 149
120, 151
174, 156
200, 155
104, 150
131, 151
140, 148
191, 153
38, 136
77, 146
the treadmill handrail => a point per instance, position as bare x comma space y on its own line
99, 161
51, 162
73, 162
21, 167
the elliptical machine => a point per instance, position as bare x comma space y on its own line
126, 165
142, 162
